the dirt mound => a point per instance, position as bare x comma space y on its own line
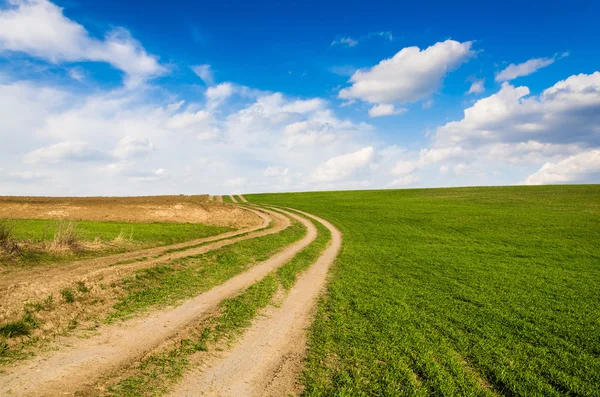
177, 209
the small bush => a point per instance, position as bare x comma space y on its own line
68, 295
8, 244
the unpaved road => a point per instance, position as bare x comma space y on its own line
84, 362
233, 198
242, 198
269, 357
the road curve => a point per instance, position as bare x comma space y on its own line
269, 357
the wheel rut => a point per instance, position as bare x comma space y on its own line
269, 357
82, 364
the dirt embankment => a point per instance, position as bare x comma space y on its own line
177, 209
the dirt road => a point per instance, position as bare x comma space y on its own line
269, 357
233, 198
242, 198
81, 363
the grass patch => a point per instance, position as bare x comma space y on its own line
45, 241
227, 199
68, 295
470, 291
190, 276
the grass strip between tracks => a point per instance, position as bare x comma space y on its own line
187, 277
157, 372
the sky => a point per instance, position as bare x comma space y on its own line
219, 97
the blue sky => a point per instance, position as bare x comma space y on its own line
231, 96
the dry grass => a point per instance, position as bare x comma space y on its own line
8, 245
65, 238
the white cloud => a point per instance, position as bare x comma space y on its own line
427, 104
571, 105
65, 151
205, 73
235, 182
340, 167
513, 71
410, 75
275, 172
345, 41
403, 181
39, 28
477, 86
129, 147
385, 110
582, 167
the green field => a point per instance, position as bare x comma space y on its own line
458, 292
32, 232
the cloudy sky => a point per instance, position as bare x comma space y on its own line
114, 98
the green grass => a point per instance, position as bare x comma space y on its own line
138, 236
470, 292
227, 199
190, 276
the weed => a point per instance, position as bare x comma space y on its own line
65, 237
68, 295
81, 287
15, 328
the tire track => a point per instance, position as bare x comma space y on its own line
242, 198
269, 357
36, 284
233, 199
81, 365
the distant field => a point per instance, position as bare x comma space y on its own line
458, 292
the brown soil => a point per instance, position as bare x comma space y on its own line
270, 355
178, 209
79, 364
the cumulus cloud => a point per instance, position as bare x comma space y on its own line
340, 167
403, 181
385, 110
531, 66
580, 168
511, 115
39, 28
410, 75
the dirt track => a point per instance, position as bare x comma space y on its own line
80, 363
242, 198
35, 284
233, 198
269, 356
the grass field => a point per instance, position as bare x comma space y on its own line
33, 233
470, 292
